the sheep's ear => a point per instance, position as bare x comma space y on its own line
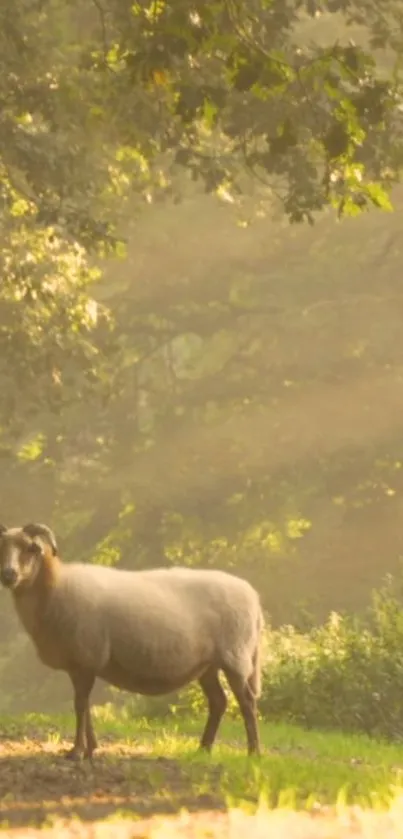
3, 529
44, 531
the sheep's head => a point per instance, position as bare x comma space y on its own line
22, 550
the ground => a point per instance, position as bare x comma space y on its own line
146, 781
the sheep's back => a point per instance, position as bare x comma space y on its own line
161, 619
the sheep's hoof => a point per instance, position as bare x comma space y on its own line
74, 755
205, 748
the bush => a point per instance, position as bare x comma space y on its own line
347, 674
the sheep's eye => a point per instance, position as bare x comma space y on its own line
33, 548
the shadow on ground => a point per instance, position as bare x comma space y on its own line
37, 784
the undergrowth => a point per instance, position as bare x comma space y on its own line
346, 674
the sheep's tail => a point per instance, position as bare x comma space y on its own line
255, 679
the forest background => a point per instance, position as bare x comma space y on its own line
200, 300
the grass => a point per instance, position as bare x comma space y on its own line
298, 768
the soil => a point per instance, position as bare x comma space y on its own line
38, 784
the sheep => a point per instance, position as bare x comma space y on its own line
149, 632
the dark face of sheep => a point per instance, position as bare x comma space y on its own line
19, 558
21, 554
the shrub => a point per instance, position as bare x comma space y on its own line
347, 674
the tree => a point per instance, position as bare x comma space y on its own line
114, 96
231, 90
105, 101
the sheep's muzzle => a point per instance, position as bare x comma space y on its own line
8, 577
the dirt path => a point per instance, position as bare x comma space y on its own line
38, 784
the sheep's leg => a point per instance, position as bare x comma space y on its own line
248, 708
217, 703
90, 734
82, 684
